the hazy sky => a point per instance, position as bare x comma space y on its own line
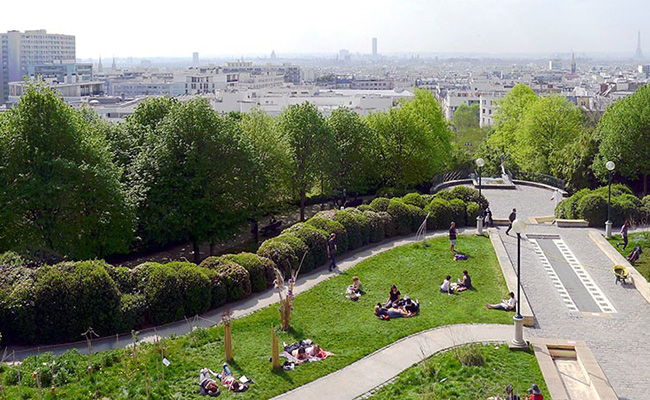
144, 28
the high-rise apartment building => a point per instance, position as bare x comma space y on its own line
374, 47
20, 50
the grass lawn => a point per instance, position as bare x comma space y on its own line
348, 329
636, 239
443, 377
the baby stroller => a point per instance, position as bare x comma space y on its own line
622, 274
634, 255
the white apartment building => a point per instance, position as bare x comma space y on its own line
455, 98
19, 50
71, 92
488, 107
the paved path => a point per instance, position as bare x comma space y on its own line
381, 366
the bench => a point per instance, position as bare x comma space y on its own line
572, 223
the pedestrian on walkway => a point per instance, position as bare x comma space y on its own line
452, 237
512, 218
331, 250
624, 229
487, 217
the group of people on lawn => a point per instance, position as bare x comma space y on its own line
396, 306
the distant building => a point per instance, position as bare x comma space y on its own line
36, 47
639, 53
372, 84
644, 69
195, 59
62, 72
555, 64
374, 47
573, 63
71, 92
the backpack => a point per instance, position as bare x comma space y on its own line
459, 256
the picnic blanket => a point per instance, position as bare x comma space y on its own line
322, 354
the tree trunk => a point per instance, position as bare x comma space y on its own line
213, 248
645, 184
197, 253
302, 205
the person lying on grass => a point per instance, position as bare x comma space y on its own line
505, 305
229, 381
208, 385
464, 283
304, 351
396, 312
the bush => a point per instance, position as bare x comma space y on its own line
646, 209
299, 248
195, 288
133, 308
377, 226
124, 278
458, 211
562, 209
416, 215
414, 199
218, 290
236, 279
445, 195
440, 214
281, 254
162, 288
468, 194
390, 192
364, 207
617, 190
571, 206
390, 224
260, 269
314, 238
473, 211
593, 208
380, 204
626, 207
330, 226
353, 227
365, 224
402, 216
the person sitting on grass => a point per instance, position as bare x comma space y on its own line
393, 296
446, 286
412, 306
534, 393
464, 283
354, 290
505, 305
208, 385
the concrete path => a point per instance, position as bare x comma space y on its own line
381, 366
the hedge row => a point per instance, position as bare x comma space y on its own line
57, 303
591, 205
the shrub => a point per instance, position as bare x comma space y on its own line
133, 308
458, 211
571, 206
402, 216
365, 224
281, 254
124, 278
390, 192
562, 209
162, 288
259, 269
236, 279
617, 190
626, 207
364, 207
21, 316
380, 204
195, 288
440, 214
218, 290
299, 248
445, 195
414, 199
416, 215
330, 226
473, 211
377, 226
352, 226
390, 224
467, 194
646, 209
593, 208
314, 238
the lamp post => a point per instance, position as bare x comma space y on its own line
608, 224
479, 221
519, 226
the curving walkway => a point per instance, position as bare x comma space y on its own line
374, 370
239, 309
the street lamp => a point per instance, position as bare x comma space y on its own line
479, 221
519, 226
608, 224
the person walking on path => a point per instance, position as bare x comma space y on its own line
512, 218
624, 229
331, 250
452, 237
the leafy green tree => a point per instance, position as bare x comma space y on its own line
266, 178
310, 147
546, 128
469, 134
190, 173
413, 141
58, 185
625, 137
353, 168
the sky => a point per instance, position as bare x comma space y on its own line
145, 28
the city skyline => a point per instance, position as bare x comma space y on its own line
292, 27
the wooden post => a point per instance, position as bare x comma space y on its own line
226, 318
275, 356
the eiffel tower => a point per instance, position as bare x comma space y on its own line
638, 54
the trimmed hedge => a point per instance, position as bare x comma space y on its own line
458, 212
329, 225
314, 238
299, 248
377, 226
260, 269
416, 215
402, 216
414, 199
235, 278
593, 208
353, 226
380, 204
441, 214
473, 211
390, 224
281, 254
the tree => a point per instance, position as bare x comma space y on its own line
190, 174
266, 177
310, 145
413, 141
353, 168
625, 137
58, 185
469, 134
